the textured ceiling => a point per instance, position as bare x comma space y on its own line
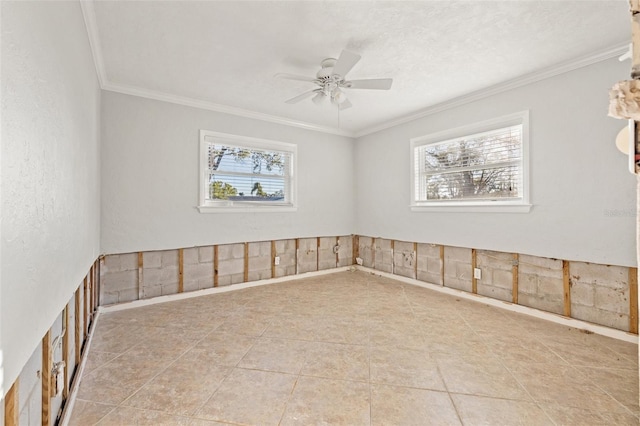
227, 53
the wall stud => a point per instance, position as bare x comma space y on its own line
46, 378
566, 282
180, 270
633, 300
514, 271
12, 405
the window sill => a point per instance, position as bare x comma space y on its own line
246, 209
474, 208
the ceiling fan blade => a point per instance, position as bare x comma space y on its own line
346, 104
374, 83
301, 97
295, 77
346, 61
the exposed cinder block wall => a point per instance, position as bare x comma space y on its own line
160, 274
383, 255
366, 251
497, 274
286, 251
540, 283
119, 278
230, 264
600, 294
457, 268
345, 253
259, 261
307, 255
404, 259
429, 263
197, 268
327, 258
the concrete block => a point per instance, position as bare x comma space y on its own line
285, 270
430, 277
459, 284
190, 256
285, 245
463, 271
262, 248
108, 297
121, 262
169, 288
152, 291
405, 272
116, 281
494, 292
230, 280
582, 294
260, 264
551, 287
308, 244
458, 254
230, 266
603, 275
327, 243
169, 258
128, 295
543, 304
502, 279
259, 275
429, 250
152, 259
191, 285
366, 252
612, 300
205, 254
598, 316
199, 271
345, 254
527, 283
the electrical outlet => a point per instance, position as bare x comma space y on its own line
477, 273
276, 260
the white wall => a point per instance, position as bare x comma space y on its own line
150, 179
50, 169
583, 195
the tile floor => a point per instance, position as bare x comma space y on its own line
349, 348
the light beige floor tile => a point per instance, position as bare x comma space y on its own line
478, 376
88, 413
408, 341
619, 383
131, 416
328, 402
97, 359
479, 410
249, 324
337, 361
565, 386
249, 397
280, 355
181, 389
572, 416
119, 379
393, 405
219, 348
202, 422
405, 367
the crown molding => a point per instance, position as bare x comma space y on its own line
89, 15
211, 106
548, 72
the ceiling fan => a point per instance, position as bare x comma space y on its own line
331, 79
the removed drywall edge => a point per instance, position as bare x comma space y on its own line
68, 406
569, 322
215, 290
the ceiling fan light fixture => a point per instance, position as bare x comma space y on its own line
338, 97
318, 98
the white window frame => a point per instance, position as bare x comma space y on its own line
226, 206
520, 205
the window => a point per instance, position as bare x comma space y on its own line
482, 167
242, 174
